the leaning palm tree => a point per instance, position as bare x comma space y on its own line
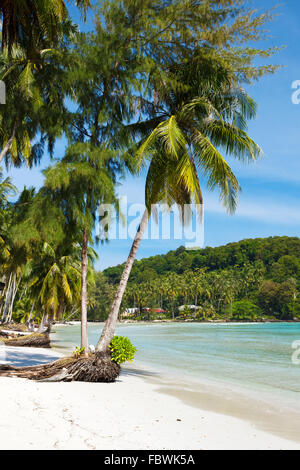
200, 119
55, 278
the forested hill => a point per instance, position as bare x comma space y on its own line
269, 250
251, 280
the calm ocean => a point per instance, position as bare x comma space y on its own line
255, 358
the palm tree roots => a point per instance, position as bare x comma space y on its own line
95, 368
36, 340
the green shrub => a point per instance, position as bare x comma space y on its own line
78, 352
122, 350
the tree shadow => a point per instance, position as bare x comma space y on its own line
23, 358
138, 372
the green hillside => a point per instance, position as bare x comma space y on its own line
268, 250
251, 280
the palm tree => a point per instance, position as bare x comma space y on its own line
207, 114
55, 278
7, 189
22, 19
34, 36
78, 185
35, 96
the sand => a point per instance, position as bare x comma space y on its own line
131, 413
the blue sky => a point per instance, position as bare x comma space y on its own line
269, 202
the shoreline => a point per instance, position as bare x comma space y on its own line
226, 399
153, 322
141, 410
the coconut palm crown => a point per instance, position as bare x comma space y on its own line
203, 121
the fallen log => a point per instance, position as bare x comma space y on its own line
14, 327
95, 368
14, 333
33, 340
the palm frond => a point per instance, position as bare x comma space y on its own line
235, 141
212, 163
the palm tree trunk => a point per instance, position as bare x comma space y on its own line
74, 312
42, 324
8, 144
6, 302
2, 294
16, 288
11, 300
60, 312
28, 323
84, 334
110, 325
23, 292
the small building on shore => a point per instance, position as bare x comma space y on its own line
155, 310
130, 312
194, 308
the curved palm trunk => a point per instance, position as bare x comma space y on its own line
29, 321
110, 325
11, 300
43, 323
8, 144
16, 288
84, 334
7, 299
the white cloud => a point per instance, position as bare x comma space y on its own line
261, 210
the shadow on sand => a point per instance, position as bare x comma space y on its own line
138, 372
24, 358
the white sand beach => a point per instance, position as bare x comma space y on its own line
129, 414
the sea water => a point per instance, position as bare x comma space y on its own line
252, 357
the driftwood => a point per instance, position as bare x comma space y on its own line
95, 368
14, 333
14, 326
34, 340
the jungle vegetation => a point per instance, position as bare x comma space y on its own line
155, 84
249, 280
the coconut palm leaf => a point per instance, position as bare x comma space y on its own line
235, 141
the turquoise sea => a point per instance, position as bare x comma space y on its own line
255, 358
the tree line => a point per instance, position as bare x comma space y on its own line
248, 280
156, 84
